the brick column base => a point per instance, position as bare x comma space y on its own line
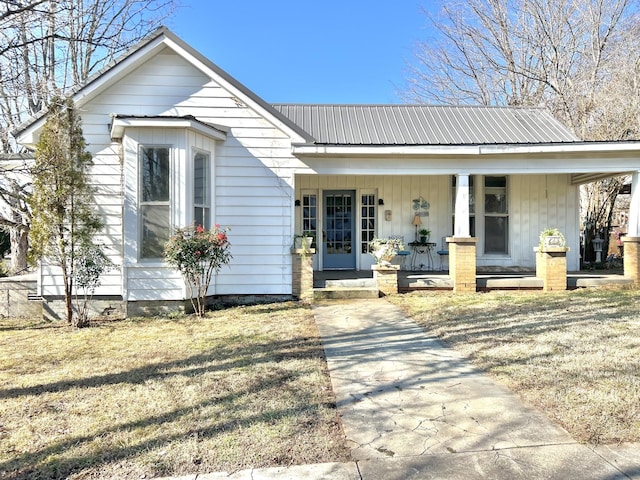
551, 267
386, 277
462, 263
631, 258
302, 273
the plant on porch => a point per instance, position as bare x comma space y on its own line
552, 237
197, 253
384, 249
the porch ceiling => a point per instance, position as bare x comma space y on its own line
583, 178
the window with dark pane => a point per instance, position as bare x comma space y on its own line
201, 189
338, 223
310, 215
496, 215
155, 196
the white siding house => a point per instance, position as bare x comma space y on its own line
176, 140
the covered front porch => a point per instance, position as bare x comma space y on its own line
484, 194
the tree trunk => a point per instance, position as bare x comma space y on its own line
19, 247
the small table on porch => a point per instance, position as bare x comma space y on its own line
419, 248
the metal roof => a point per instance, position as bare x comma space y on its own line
425, 124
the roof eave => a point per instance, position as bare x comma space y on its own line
569, 148
120, 123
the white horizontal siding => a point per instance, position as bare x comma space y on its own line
52, 283
154, 283
249, 195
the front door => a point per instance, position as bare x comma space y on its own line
339, 243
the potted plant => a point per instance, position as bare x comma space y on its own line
311, 238
303, 242
552, 238
384, 249
424, 235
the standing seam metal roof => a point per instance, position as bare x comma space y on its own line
425, 124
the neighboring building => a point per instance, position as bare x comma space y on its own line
176, 140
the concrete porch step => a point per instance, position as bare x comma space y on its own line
341, 293
425, 281
351, 283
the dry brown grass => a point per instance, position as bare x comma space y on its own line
575, 355
141, 398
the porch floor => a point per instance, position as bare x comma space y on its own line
439, 280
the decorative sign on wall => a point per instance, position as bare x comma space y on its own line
421, 207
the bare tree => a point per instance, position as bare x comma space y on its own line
578, 58
561, 54
14, 209
48, 47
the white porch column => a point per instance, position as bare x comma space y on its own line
634, 208
632, 239
461, 227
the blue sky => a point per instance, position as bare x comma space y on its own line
308, 51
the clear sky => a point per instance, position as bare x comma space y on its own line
308, 51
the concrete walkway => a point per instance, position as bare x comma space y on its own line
414, 409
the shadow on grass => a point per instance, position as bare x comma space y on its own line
13, 325
219, 359
455, 325
49, 462
46, 462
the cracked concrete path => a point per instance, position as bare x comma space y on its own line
408, 403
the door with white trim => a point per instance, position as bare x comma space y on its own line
339, 242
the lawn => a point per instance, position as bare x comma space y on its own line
574, 355
248, 386
243, 387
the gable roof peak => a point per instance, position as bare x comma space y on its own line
156, 41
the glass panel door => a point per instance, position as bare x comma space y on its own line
338, 241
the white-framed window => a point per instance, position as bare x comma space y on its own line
472, 205
496, 215
202, 188
367, 220
310, 215
154, 199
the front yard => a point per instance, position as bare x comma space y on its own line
573, 355
142, 398
248, 386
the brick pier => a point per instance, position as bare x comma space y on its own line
462, 263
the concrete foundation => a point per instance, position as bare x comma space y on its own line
18, 297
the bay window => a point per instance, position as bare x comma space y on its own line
201, 189
155, 198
